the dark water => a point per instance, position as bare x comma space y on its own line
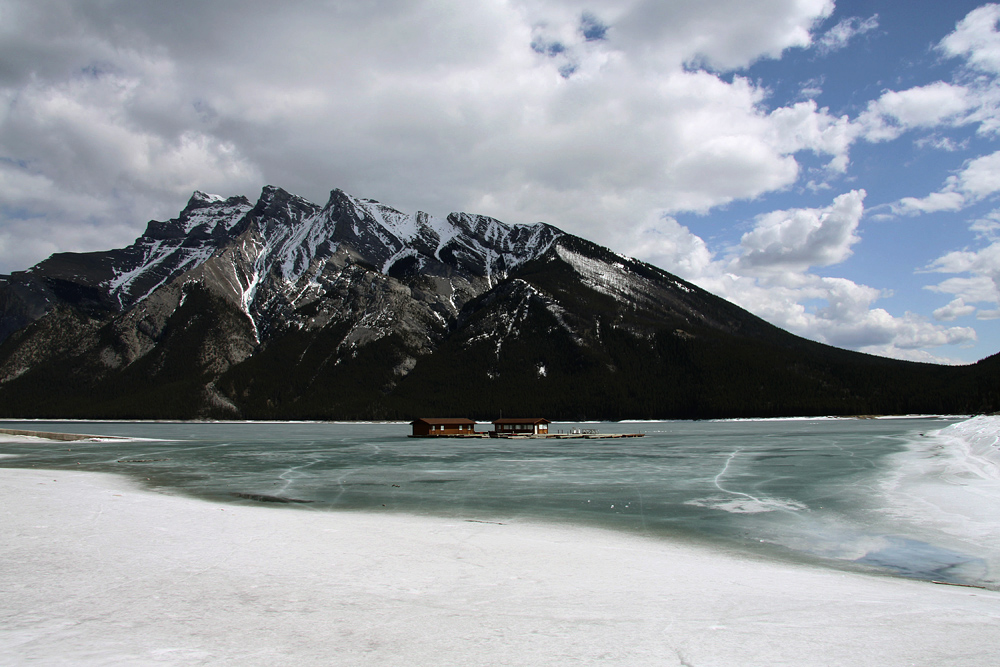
807, 490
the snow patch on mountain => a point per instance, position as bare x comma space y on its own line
402, 226
293, 248
486, 245
120, 287
218, 212
559, 313
402, 254
170, 257
206, 197
614, 279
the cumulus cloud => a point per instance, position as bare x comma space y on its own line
975, 101
800, 238
849, 320
805, 126
665, 242
941, 143
846, 317
980, 177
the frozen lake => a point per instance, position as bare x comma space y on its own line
899, 496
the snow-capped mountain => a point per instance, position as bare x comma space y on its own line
285, 308
280, 248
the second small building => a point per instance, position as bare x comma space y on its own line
521, 426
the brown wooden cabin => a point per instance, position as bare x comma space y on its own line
428, 427
521, 426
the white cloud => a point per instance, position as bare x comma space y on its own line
665, 242
978, 179
800, 238
988, 226
81, 138
803, 126
981, 262
895, 112
840, 35
976, 38
973, 99
977, 278
849, 317
955, 309
940, 143
936, 201
724, 35
975, 289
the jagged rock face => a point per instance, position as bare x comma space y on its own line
287, 309
284, 263
116, 280
278, 256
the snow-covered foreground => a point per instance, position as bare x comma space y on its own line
99, 572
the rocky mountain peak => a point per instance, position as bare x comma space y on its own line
205, 216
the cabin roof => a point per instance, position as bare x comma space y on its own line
522, 420
443, 420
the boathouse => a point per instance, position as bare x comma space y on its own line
443, 426
521, 426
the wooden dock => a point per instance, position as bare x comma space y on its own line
571, 436
530, 436
593, 436
520, 428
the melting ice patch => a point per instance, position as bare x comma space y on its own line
738, 502
747, 505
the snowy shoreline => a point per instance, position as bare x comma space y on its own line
948, 481
99, 571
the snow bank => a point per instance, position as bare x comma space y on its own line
99, 572
948, 481
976, 441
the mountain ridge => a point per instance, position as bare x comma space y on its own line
283, 308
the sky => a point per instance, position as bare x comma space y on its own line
833, 167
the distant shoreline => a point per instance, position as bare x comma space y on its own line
406, 422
